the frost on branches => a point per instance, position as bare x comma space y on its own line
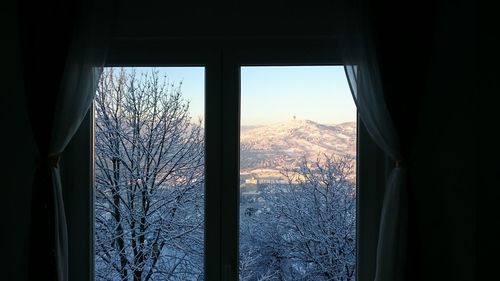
303, 230
149, 180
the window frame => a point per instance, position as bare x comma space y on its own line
257, 53
221, 59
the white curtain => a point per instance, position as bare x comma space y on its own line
73, 105
363, 74
78, 85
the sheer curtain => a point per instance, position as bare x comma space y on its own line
362, 71
63, 49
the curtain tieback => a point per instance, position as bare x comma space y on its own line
53, 160
398, 163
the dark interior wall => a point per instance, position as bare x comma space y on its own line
18, 154
193, 18
445, 150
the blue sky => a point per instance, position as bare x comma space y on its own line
276, 94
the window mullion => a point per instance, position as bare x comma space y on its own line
230, 167
213, 164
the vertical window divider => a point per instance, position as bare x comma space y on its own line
213, 166
230, 165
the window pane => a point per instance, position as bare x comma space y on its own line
297, 174
149, 168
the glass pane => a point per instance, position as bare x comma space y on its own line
149, 174
297, 174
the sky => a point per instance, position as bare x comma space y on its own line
276, 94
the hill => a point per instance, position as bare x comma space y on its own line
286, 144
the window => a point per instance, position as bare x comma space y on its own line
149, 174
297, 174
222, 72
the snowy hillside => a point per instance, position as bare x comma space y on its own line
284, 144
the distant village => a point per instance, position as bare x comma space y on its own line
267, 176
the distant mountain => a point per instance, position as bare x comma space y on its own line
285, 144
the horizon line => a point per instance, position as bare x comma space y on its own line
285, 121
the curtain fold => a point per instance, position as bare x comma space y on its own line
62, 62
73, 105
362, 71
391, 247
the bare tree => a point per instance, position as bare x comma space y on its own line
149, 180
303, 230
